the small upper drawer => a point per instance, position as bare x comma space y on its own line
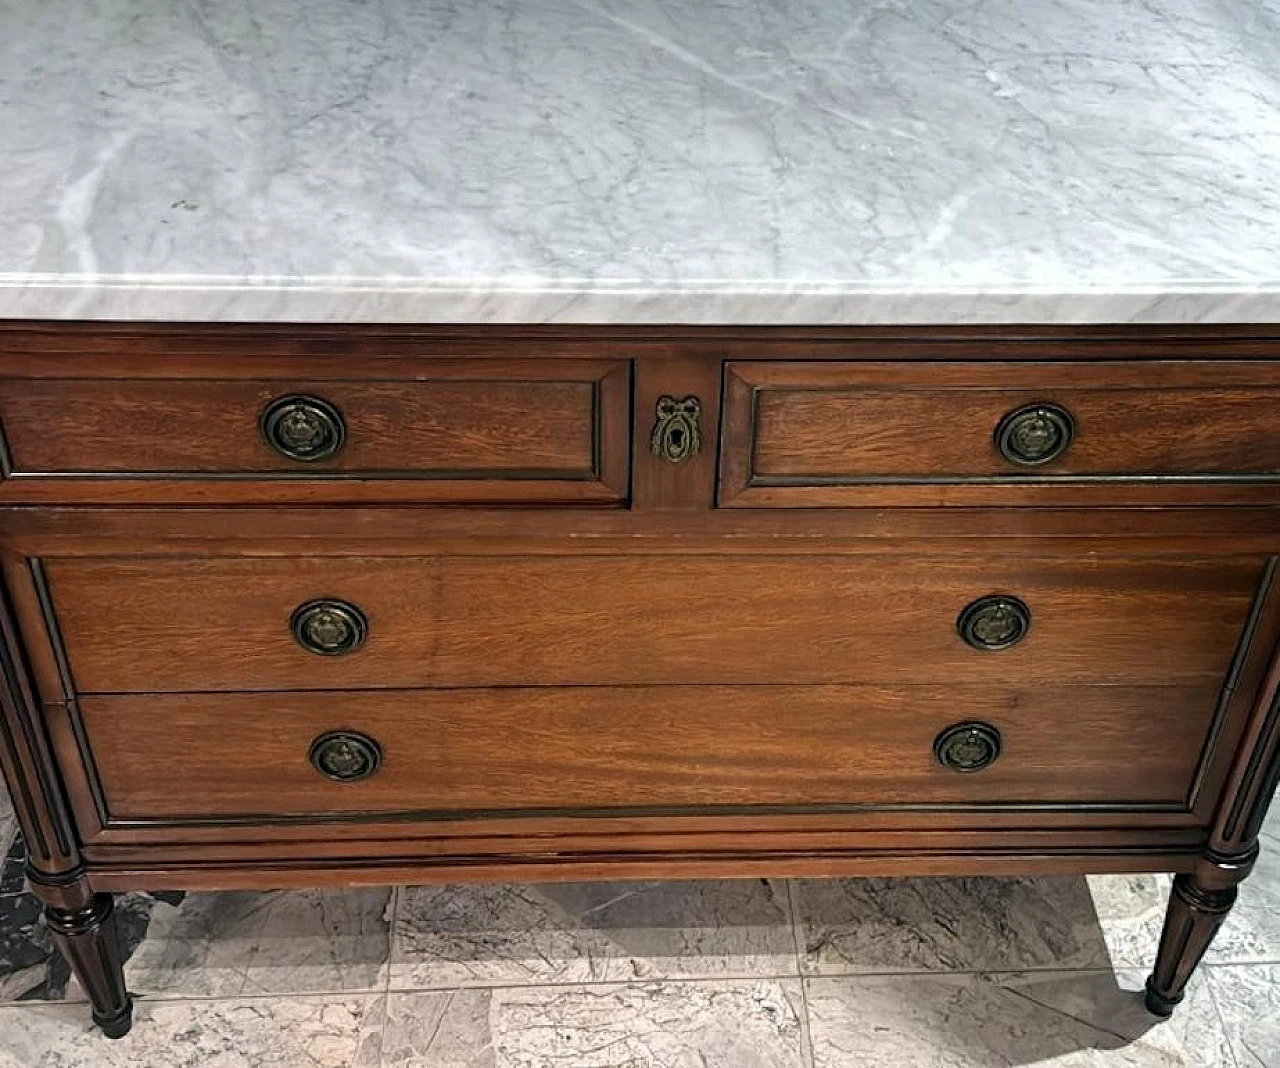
449, 430
1151, 432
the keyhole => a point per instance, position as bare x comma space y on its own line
677, 439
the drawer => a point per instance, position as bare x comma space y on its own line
451, 431
1151, 432
678, 747
188, 624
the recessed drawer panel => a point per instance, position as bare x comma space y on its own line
597, 748
833, 434
173, 624
479, 430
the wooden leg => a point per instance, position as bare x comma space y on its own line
88, 939
1199, 903
1195, 914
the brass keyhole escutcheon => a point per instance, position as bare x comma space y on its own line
677, 436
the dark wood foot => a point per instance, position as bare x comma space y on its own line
88, 938
1157, 1003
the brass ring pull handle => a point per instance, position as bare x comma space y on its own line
329, 628
303, 428
967, 747
1035, 434
677, 437
345, 756
995, 622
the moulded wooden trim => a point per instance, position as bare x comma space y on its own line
505, 834
307, 528
757, 864
30, 769
1239, 692
29, 346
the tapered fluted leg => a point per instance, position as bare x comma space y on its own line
88, 939
1195, 914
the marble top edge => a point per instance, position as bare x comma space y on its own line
393, 284
411, 301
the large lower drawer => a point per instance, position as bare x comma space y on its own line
1052, 433
191, 624
600, 748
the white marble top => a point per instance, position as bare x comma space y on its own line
678, 161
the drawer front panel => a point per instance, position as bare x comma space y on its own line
826, 434
512, 750
475, 430
225, 624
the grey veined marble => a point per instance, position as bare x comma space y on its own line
1249, 999
639, 161
743, 1024
243, 944
1062, 1019
297, 1032
865, 926
462, 936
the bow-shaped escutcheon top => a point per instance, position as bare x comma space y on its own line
676, 434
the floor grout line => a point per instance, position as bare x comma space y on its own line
681, 980
806, 1021
1222, 1020
385, 1010
920, 973
651, 980
397, 893
796, 940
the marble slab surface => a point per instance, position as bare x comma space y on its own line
869, 926
641, 161
298, 1032
1063, 1019
1249, 1000
502, 935
743, 1024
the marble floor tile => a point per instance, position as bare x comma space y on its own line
1063, 1019
245, 1033
457, 936
241, 944
1130, 911
1248, 998
707, 1024
861, 926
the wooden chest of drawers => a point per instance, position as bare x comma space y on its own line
287, 606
